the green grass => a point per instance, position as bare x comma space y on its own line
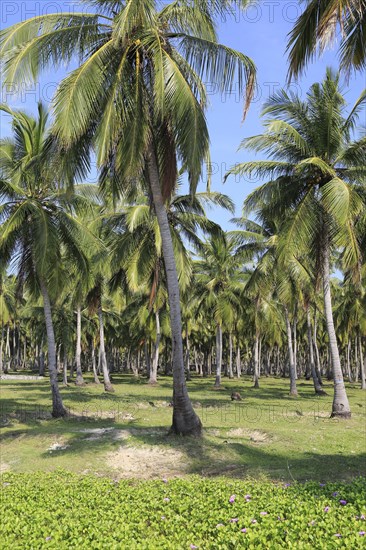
66, 511
267, 434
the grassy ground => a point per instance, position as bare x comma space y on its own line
124, 434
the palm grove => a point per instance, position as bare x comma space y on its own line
131, 275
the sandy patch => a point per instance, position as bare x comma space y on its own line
57, 447
147, 462
254, 435
4, 467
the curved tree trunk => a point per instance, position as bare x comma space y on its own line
79, 381
153, 379
185, 420
103, 359
218, 356
293, 388
58, 409
340, 407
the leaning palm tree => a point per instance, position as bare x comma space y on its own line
139, 97
317, 189
317, 27
37, 230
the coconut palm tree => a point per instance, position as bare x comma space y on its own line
317, 189
37, 230
317, 28
139, 96
219, 283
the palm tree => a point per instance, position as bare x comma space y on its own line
317, 27
317, 188
37, 230
219, 282
139, 96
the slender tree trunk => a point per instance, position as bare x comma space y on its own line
103, 359
41, 359
1, 348
154, 368
340, 407
79, 380
185, 421
218, 355
7, 350
94, 365
317, 386
256, 360
147, 359
58, 409
65, 366
231, 374
188, 364
362, 365
293, 388
238, 362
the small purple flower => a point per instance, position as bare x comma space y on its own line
48, 538
335, 494
232, 498
338, 535
326, 509
243, 530
264, 513
322, 484
164, 480
247, 497
163, 517
254, 521
166, 499
219, 525
343, 502
362, 516
312, 522
362, 533
234, 520
193, 546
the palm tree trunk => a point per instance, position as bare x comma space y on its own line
107, 383
79, 381
362, 365
218, 355
154, 368
293, 388
185, 421
256, 361
317, 386
58, 409
238, 364
94, 365
231, 374
65, 366
340, 407
1, 348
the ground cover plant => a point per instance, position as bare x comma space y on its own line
62, 510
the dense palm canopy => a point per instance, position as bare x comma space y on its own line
319, 174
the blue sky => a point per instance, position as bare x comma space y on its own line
260, 33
